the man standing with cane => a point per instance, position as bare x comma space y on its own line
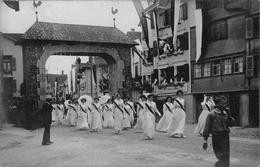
47, 120
217, 124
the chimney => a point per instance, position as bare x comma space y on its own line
132, 29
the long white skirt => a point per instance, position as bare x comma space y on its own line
108, 119
140, 121
149, 127
127, 121
82, 121
118, 124
177, 124
96, 123
164, 122
201, 122
71, 117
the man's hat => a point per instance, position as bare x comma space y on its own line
221, 101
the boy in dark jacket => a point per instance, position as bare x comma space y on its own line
217, 124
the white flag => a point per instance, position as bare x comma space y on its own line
198, 21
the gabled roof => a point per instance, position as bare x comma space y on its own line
76, 33
13, 36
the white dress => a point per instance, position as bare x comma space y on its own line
140, 117
127, 116
96, 123
177, 124
149, 127
165, 120
72, 115
82, 121
118, 115
108, 116
206, 108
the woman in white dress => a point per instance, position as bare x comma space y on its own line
96, 124
72, 114
150, 113
207, 105
165, 120
108, 112
177, 125
118, 114
141, 114
132, 111
82, 123
127, 115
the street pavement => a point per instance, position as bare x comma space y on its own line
72, 148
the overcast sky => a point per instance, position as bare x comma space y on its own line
91, 12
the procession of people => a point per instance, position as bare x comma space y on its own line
94, 114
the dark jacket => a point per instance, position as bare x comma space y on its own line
47, 113
218, 121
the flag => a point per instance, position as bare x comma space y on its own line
139, 8
176, 21
198, 21
14, 4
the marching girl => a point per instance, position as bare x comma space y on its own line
108, 112
150, 113
82, 122
72, 114
141, 114
207, 105
177, 125
118, 114
165, 120
132, 111
127, 115
95, 109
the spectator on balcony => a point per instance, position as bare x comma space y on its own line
164, 47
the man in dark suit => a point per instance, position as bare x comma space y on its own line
47, 119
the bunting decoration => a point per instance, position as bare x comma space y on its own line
176, 21
14, 4
198, 21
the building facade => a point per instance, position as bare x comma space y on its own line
229, 64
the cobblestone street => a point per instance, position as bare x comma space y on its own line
82, 148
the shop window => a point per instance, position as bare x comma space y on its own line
218, 30
206, 70
216, 68
183, 12
238, 65
197, 70
227, 66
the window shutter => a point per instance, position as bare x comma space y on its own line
14, 85
13, 63
249, 28
250, 66
185, 11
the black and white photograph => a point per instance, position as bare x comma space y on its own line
129, 83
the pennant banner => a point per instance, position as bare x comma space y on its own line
176, 21
198, 21
14, 4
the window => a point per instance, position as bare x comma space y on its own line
206, 70
136, 69
14, 85
183, 41
216, 68
256, 26
218, 30
7, 64
183, 12
197, 70
227, 66
166, 18
238, 65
